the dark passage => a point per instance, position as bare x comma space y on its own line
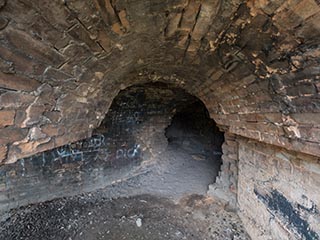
174, 138
192, 131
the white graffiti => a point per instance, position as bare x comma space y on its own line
128, 153
76, 150
23, 168
218, 153
65, 152
43, 160
103, 154
95, 148
96, 141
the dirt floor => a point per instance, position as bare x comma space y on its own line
167, 201
145, 217
174, 174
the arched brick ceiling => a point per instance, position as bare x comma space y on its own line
255, 64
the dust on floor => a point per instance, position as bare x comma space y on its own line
144, 217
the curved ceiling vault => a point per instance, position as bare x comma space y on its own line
255, 64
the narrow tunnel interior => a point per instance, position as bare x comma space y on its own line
165, 128
103, 134
148, 167
193, 131
151, 162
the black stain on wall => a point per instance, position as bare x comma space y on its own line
280, 206
311, 210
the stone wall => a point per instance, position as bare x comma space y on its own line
278, 192
226, 186
255, 65
63, 62
82, 166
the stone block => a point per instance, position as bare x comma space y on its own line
104, 40
7, 118
3, 153
21, 62
15, 82
19, 39
208, 11
35, 134
311, 167
302, 90
10, 135
174, 19
20, 117
54, 76
69, 138
53, 130
31, 147
307, 118
79, 32
189, 16
27, 149
306, 8
310, 133
53, 116
15, 100
33, 114
124, 20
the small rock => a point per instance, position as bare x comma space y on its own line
178, 233
198, 157
139, 222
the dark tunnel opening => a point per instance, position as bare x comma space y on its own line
169, 129
193, 131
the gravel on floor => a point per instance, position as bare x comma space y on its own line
145, 217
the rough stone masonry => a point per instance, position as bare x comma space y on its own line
255, 65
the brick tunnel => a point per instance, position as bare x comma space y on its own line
184, 119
